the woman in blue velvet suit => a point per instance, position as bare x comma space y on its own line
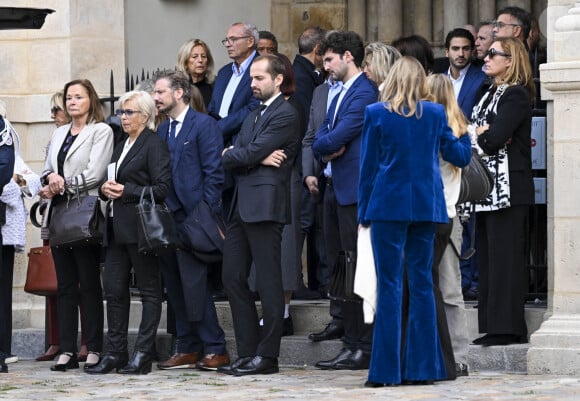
401, 198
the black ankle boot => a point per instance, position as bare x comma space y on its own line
72, 363
140, 364
109, 361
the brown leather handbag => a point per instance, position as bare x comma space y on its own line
41, 274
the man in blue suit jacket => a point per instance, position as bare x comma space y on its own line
337, 145
466, 77
232, 99
195, 145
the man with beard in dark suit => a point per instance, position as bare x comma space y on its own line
261, 162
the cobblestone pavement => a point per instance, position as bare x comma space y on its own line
28, 380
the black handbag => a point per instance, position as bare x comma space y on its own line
476, 180
77, 220
203, 232
156, 230
341, 286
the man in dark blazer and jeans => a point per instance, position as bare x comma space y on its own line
195, 145
261, 162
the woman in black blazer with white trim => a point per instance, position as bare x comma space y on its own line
141, 160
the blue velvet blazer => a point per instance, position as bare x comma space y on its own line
399, 172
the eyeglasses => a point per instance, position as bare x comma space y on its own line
55, 110
127, 112
233, 39
491, 53
501, 25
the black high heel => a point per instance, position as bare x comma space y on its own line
140, 364
108, 362
72, 363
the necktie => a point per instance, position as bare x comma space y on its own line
171, 137
261, 109
332, 109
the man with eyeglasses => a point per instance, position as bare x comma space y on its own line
232, 98
512, 22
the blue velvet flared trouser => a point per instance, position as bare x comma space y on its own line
398, 246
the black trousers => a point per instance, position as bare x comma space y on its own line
78, 276
340, 234
503, 277
119, 260
6, 278
260, 243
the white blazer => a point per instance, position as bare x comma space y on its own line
89, 154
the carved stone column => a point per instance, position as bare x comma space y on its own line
555, 347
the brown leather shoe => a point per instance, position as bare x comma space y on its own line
213, 361
180, 361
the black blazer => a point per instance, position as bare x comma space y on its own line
513, 125
146, 164
263, 192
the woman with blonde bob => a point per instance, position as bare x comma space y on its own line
379, 58
502, 121
195, 60
401, 199
446, 272
140, 162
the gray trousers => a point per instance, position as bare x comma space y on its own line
450, 286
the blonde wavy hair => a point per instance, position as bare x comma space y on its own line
520, 71
405, 87
185, 52
441, 89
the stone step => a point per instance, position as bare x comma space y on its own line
297, 350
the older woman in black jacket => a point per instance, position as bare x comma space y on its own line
503, 120
140, 161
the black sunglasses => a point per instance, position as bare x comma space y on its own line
491, 53
55, 110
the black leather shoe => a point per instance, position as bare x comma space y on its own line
418, 382
332, 331
357, 360
229, 369
140, 364
3, 366
109, 361
329, 364
72, 363
371, 384
501, 339
288, 327
258, 365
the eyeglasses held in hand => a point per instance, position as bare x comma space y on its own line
233, 39
501, 25
127, 112
491, 53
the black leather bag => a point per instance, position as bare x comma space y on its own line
341, 286
476, 180
156, 230
77, 220
203, 232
